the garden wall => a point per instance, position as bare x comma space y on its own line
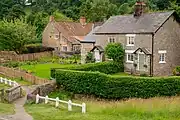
17, 73
105, 86
4, 56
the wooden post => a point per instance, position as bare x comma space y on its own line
69, 105
57, 102
37, 98
83, 108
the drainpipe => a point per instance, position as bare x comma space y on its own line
152, 57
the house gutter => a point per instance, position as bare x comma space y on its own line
152, 57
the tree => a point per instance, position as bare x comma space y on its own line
14, 35
115, 51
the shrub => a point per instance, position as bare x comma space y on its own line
89, 58
105, 86
104, 67
115, 51
176, 71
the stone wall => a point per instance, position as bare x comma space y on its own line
42, 90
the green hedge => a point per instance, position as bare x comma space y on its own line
103, 67
105, 86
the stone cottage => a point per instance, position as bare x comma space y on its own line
151, 40
64, 35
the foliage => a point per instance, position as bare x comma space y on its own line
104, 86
90, 58
115, 51
104, 67
35, 48
176, 71
14, 35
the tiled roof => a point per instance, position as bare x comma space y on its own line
146, 23
70, 29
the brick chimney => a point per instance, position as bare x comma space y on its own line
139, 8
82, 21
51, 18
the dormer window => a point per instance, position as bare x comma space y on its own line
130, 39
56, 36
111, 40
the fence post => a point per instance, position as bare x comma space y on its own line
46, 99
10, 83
5, 81
57, 102
83, 108
69, 105
37, 98
1, 79
14, 83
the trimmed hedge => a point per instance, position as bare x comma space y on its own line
103, 67
105, 86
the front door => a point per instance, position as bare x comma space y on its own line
97, 55
141, 62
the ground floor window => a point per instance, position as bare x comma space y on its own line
130, 57
64, 48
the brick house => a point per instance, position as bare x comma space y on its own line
151, 40
64, 35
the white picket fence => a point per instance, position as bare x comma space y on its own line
57, 101
8, 82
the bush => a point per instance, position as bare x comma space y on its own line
103, 67
89, 58
105, 86
35, 48
115, 51
176, 71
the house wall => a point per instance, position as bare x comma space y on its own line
167, 38
141, 40
85, 48
48, 38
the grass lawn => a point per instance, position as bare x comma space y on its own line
134, 109
43, 70
6, 108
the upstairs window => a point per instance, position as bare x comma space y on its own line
162, 56
111, 39
130, 39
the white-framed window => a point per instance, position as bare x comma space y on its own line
130, 39
111, 39
129, 56
56, 36
162, 56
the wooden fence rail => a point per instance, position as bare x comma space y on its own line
4, 56
57, 101
9, 82
17, 73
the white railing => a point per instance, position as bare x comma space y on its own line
69, 103
8, 82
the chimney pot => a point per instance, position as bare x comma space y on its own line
139, 8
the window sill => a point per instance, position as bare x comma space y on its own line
129, 45
161, 62
130, 62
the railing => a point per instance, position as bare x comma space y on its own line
70, 104
8, 82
